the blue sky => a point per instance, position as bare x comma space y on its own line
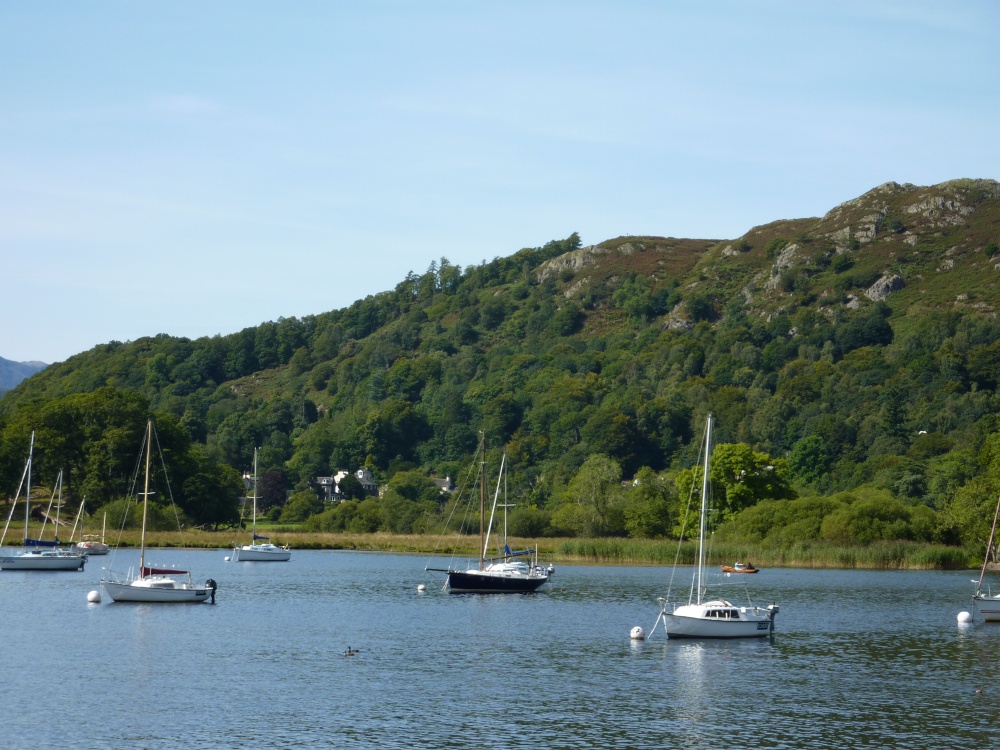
195, 168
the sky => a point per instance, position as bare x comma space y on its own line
196, 168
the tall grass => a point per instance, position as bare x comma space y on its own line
899, 555
882, 555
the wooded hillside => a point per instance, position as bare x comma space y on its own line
857, 353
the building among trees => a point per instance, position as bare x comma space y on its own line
345, 485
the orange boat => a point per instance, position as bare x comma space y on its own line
739, 568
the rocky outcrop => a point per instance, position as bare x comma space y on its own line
676, 320
884, 287
874, 198
574, 260
786, 259
868, 226
948, 204
941, 210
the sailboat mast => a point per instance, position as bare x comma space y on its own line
493, 511
989, 547
145, 499
76, 521
58, 505
482, 504
13, 505
253, 539
704, 507
27, 494
503, 463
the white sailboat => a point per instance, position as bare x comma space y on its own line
35, 553
91, 544
987, 602
702, 617
148, 584
260, 548
502, 575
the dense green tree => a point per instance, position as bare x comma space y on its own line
212, 493
351, 488
878, 517
271, 491
809, 461
740, 478
968, 514
649, 505
594, 496
414, 486
530, 522
300, 506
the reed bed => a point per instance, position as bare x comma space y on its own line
899, 555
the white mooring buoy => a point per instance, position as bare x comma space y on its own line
964, 617
94, 597
638, 634
421, 587
227, 558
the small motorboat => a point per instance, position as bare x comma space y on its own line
739, 568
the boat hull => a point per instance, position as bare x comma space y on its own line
157, 589
989, 607
693, 627
42, 561
485, 582
719, 619
91, 548
261, 553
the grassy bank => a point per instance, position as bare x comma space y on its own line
880, 556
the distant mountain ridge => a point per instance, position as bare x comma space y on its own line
12, 373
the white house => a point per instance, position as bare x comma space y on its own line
331, 485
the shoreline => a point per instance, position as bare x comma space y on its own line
898, 555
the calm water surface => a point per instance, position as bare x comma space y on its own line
860, 659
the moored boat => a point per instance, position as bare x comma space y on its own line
704, 617
739, 568
986, 602
507, 573
149, 584
43, 559
91, 544
35, 553
260, 548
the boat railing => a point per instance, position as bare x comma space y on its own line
115, 577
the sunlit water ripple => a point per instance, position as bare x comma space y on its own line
860, 659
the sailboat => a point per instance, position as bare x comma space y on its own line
155, 584
91, 544
255, 551
502, 575
35, 553
702, 617
988, 603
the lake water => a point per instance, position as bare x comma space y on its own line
860, 659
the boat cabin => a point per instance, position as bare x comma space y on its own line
724, 614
